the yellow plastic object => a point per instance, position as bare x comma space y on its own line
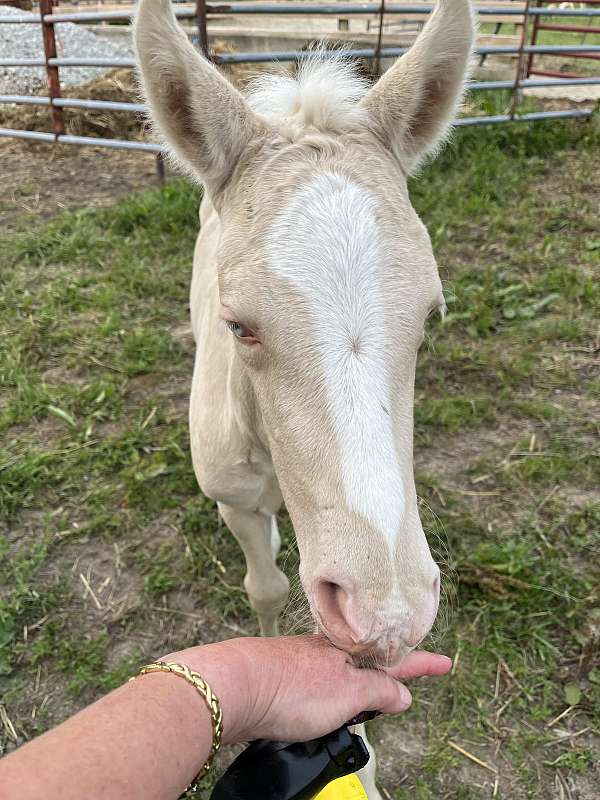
347, 788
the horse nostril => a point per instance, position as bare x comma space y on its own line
332, 601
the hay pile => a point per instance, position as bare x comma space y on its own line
119, 86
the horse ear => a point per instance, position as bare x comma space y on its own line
413, 104
204, 120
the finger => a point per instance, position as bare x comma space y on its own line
421, 663
380, 692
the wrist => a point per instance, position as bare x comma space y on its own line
221, 666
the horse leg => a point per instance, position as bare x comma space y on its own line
367, 773
266, 585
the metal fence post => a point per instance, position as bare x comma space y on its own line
58, 122
519, 72
160, 167
202, 32
534, 35
377, 64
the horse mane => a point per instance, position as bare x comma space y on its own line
323, 94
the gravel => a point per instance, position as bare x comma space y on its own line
24, 41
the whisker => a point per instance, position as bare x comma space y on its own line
440, 549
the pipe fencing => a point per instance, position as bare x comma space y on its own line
525, 53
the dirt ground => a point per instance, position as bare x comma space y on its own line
39, 180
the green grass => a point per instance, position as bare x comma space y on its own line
96, 483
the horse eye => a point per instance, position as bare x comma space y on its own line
239, 331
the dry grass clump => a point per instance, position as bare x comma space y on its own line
119, 86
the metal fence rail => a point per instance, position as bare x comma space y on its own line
299, 55
394, 52
305, 9
525, 51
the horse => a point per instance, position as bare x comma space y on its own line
312, 281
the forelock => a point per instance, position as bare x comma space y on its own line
323, 95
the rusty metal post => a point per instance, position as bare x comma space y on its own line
377, 64
202, 32
520, 62
534, 35
58, 122
160, 168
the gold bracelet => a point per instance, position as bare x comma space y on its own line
209, 697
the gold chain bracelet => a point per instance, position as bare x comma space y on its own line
209, 697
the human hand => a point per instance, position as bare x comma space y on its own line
298, 688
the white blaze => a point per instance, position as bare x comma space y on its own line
326, 244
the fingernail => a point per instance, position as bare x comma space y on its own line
445, 658
405, 696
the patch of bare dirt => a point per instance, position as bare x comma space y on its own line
46, 431
556, 181
105, 585
176, 391
582, 787
451, 459
402, 750
40, 180
402, 757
